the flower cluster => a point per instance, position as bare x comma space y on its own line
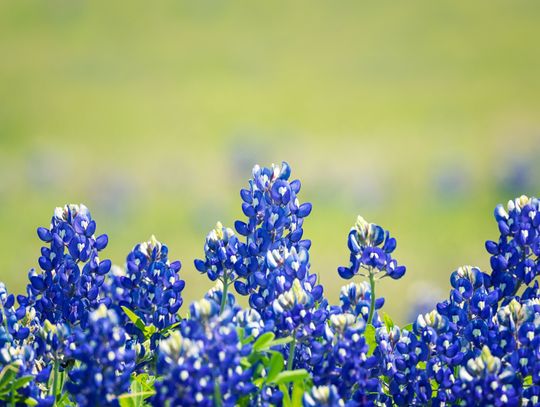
103, 362
201, 361
371, 252
150, 286
88, 333
68, 287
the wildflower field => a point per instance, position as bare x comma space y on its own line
89, 333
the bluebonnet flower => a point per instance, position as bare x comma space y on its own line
51, 341
273, 234
222, 254
104, 361
68, 288
356, 299
251, 322
151, 286
485, 380
281, 269
514, 258
324, 396
272, 264
371, 249
480, 346
18, 348
223, 258
521, 324
399, 353
199, 363
290, 308
270, 203
344, 362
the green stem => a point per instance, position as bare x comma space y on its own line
290, 360
292, 350
217, 395
12, 398
225, 290
4, 319
372, 295
55, 380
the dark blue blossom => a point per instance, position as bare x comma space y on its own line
484, 380
69, 340
19, 350
356, 298
103, 361
200, 363
343, 361
151, 286
68, 286
273, 249
514, 257
371, 248
324, 396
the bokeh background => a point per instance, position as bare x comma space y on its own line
421, 116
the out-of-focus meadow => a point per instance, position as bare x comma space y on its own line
420, 116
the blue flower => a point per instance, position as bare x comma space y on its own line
514, 255
324, 396
104, 361
485, 380
20, 349
371, 248
222, 255
273, 233
68, 287
200, 362
150, 286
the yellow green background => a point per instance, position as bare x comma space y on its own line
420, 115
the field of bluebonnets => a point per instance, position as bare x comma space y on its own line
87, 333
421, 117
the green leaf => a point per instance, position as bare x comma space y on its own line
130, 399
240, 332
21, 382
289, 376
134, 318
147, 331
165, 331
408, 327
137, 390
263, 341
369, 334
247, 340
286, 398
31, 402
8, 373
280, 341
299, 389
388, 321
276, 365
245, 363
64, 401
259, 382
126, 401
142, 387
146, 381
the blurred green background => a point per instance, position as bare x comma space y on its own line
421, 116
